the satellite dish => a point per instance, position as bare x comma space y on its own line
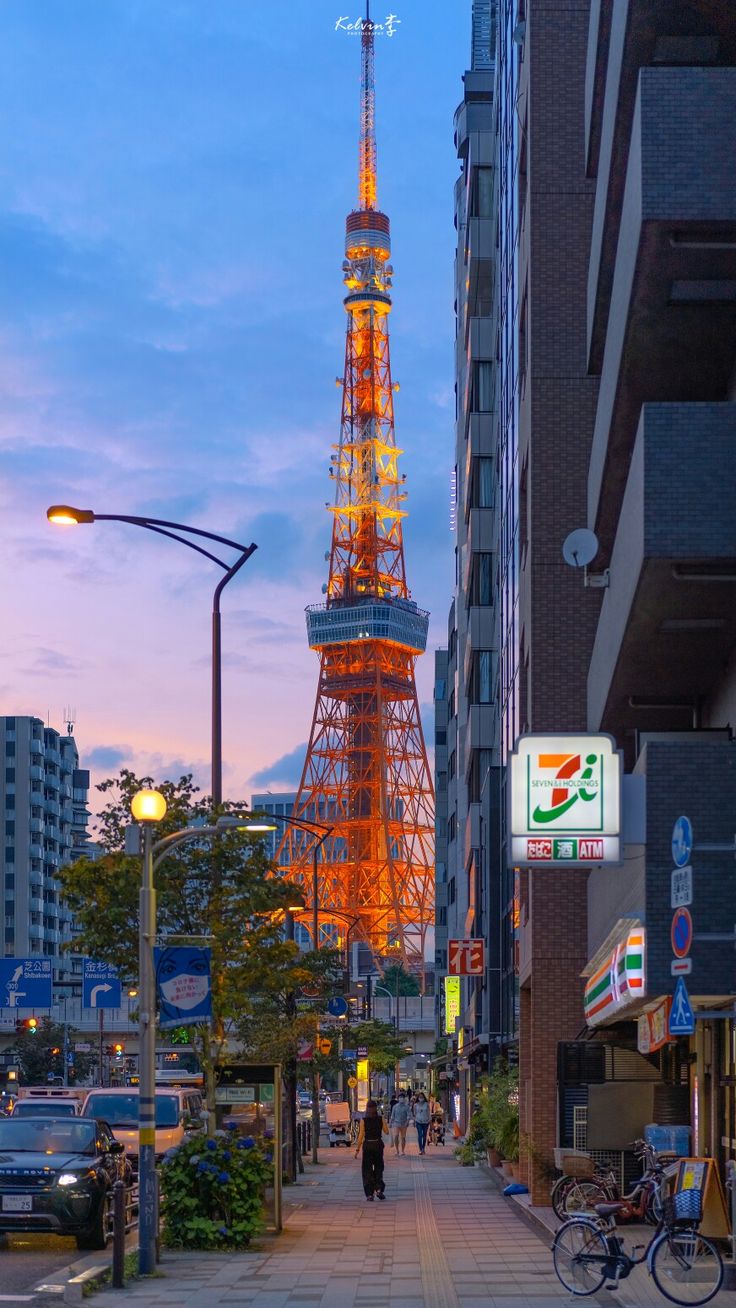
580, 548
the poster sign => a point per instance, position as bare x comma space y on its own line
183, 985
452, 1003
653, 1028
565, 801
25, 983
466, 957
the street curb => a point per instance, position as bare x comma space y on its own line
63, 1276
525, 1215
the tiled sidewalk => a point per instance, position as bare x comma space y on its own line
445, 1238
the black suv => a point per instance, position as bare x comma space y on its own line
57, 1174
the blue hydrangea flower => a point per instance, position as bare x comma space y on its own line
223, 1177
226, 1155
231, 1124
194, 1160
203, 1167
211, 1144
223, 1231
248, 1142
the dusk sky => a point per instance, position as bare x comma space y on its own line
174, 180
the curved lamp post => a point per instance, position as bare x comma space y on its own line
66, 515
302, 824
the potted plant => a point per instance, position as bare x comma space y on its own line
465, 1154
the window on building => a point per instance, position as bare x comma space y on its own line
442, 917
440, 737
481, 579
9, 880
481, 196
10, 749
481, 677
451, 827
441, 826
439, 688
10, 853
9, 827
441, 781
451, 704
480, 764
483, 388
10, 775
452, 764
482, 484
451, 885
10, 801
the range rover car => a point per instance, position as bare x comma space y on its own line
57, 1174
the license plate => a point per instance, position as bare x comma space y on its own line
17, 1203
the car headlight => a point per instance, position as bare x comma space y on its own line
68, 1178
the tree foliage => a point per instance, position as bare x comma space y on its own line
385, 1047
35, 1056
219, 892
397, 980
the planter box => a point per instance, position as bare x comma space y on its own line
494, 1158
507, 1168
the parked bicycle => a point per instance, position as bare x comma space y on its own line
686, 1267
580, 1193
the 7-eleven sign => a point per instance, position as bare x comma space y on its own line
466, 957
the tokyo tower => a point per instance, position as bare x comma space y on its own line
366, 773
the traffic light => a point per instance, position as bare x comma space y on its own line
55, 1051
26, 1026
119, 1050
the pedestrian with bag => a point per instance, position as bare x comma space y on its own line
399, 1122
373, 1127
421, 1119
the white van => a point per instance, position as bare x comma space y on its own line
178, 1114
44, 1093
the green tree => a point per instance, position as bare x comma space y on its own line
396, 979
220, 893
385, 1047
41, 1054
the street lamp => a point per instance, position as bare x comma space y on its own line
314, 828
66, 515
148, 807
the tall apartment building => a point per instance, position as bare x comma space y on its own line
545, 416
468, 669
43, 802
660, 332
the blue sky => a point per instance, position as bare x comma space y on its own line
174, 180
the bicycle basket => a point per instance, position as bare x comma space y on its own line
686, 1206
573, 1162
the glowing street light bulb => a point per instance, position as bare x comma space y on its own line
64, 515
148, 806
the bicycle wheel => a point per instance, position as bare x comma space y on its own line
557, 1193
579, 1252
686, 1267
581, 1198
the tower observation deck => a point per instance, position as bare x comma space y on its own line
366, 773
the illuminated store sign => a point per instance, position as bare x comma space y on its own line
565, 801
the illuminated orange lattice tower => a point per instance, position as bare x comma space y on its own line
366, 773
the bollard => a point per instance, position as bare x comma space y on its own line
118, 1235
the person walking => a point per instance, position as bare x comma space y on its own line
399, 1122
421, 1119
373, 1127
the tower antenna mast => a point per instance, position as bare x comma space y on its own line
366, 772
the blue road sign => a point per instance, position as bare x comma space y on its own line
682, 841
25, 983
682, 1018
337, 1006
101, 987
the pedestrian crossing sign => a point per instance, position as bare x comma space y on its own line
682, 1018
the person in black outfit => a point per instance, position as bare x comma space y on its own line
373, 1127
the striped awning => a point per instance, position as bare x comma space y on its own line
619, 978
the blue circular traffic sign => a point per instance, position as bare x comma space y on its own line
682, 841
337, 1006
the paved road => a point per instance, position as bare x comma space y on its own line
28, 1259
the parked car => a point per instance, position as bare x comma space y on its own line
57, 1174
178, 1113
45, 1108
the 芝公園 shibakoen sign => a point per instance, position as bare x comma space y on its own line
619, 980
565, 801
